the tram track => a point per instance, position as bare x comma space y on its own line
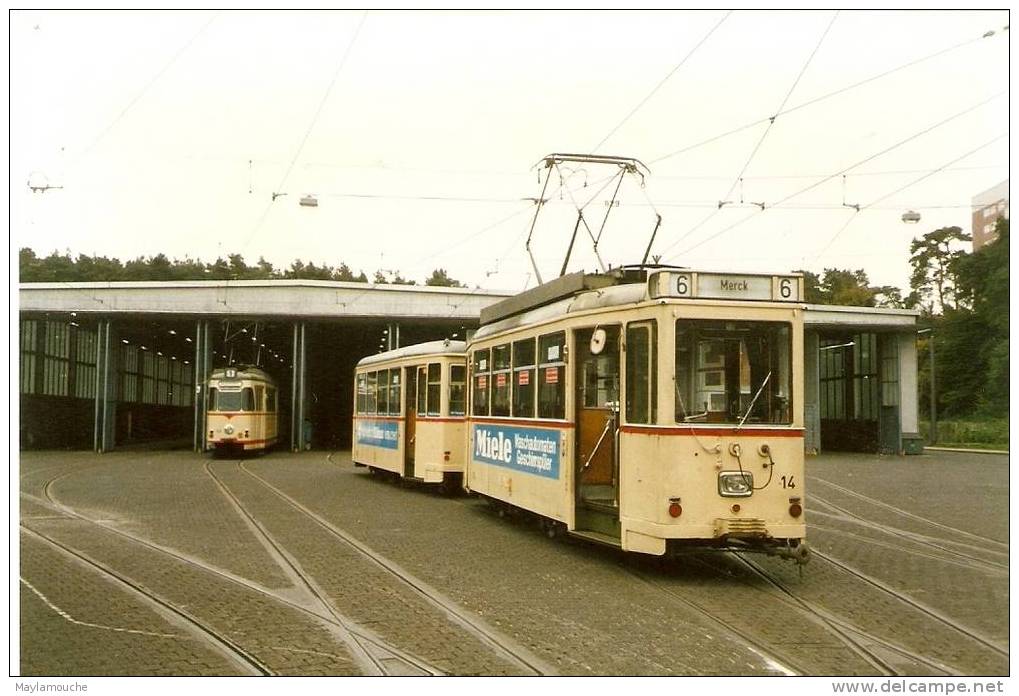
383, 658
376, 643
380, 655
850, 637
198, 628
930, 612
859, 640
943, 554
376, 656
1001, 546
989, 568
503, 646
780, 662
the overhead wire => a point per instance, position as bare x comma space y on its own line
662, 82
842, 171
761, 177
903, 188
146, 87
760, 141
475, 234
821, 98
318, 111
123, 112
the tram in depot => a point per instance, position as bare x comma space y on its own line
410, 407
242, 410
656, 409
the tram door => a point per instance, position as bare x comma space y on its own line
597, 399
410, 423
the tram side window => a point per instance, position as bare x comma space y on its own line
270, 399
213, 399
641, 364
482, 380
362, 393
369, 406
457, 390
434, 389
394, 391
259, 404
501, 380
248, 395
382, 403
422, 387
552, 375
523, 378
733, 371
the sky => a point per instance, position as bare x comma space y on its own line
422, 136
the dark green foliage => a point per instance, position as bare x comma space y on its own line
61, 268
971, 332
934, 259
837, 286
441, 279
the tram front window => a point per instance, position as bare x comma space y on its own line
733, 372
243, 400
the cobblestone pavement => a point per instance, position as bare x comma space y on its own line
452, 588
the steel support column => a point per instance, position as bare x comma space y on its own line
202, 370
106, 394
298, 390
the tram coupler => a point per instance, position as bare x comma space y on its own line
799, 553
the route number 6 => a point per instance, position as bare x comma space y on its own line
785, 288
682, 285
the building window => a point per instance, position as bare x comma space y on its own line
29, 337
832, 375
129, 385
865, 377
56, 359
85, 372
148, 378
162, 380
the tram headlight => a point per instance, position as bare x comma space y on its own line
735, 484
228, 429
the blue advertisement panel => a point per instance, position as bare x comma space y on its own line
378, 433
531, 450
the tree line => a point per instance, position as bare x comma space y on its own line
60, 268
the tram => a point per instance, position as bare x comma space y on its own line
410, 407
243, 410
655, 409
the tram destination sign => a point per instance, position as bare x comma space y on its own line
726, 286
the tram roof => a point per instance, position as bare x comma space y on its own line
815, 316
243, 372
611, 296
443, 347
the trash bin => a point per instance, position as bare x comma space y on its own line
912, 443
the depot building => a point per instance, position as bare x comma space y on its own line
115, 365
